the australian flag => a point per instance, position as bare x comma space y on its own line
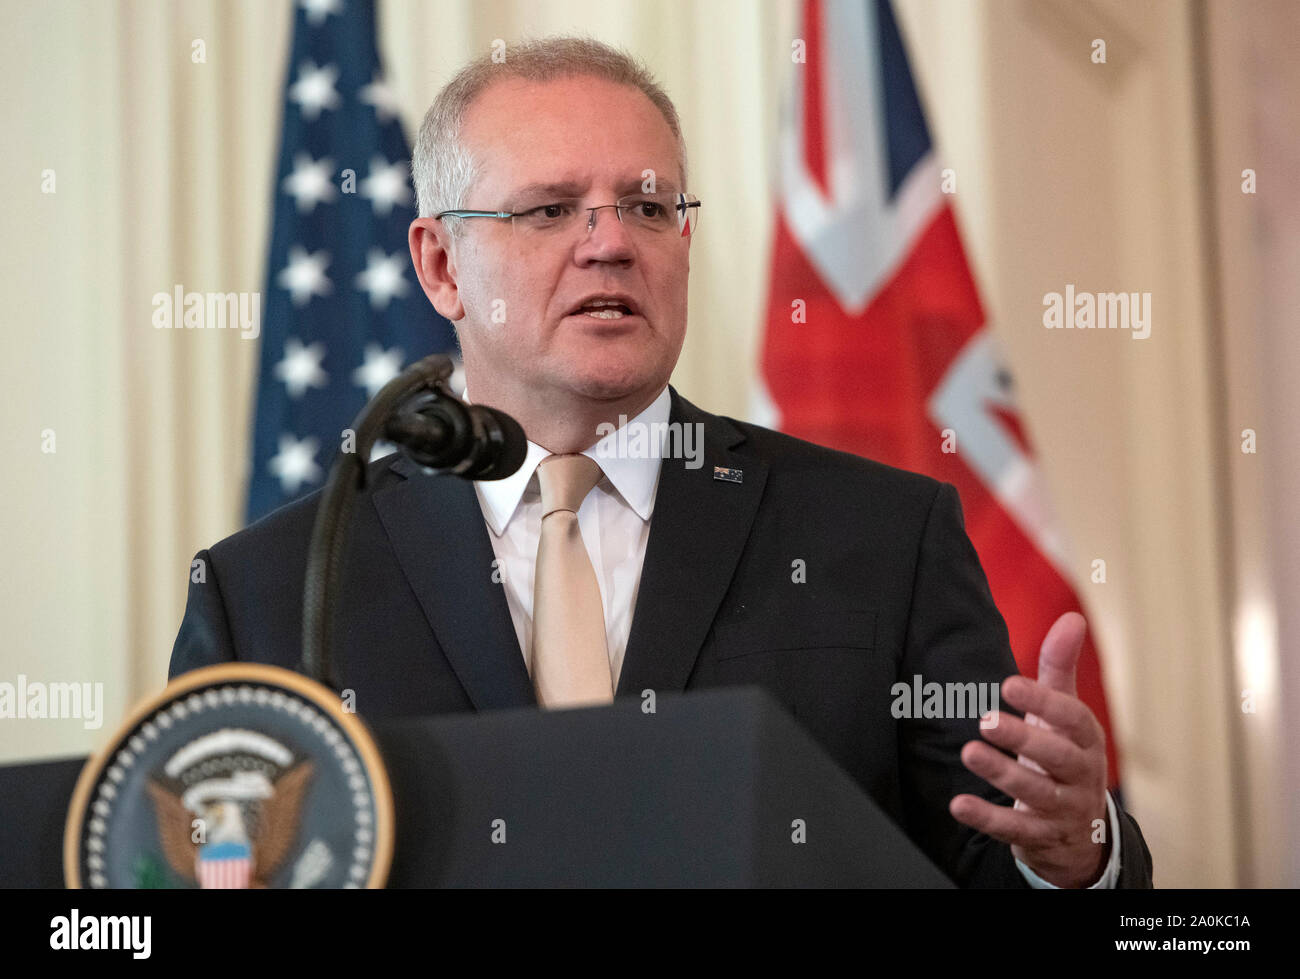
343, 310
876, 339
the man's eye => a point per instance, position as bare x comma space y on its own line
547, 212
651, 209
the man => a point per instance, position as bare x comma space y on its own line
555, 232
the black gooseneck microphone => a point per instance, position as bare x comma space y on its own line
443, 434
419, 413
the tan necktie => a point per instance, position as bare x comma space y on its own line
570, 658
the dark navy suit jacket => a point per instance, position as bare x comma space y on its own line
892, 589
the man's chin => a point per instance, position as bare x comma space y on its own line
614, 385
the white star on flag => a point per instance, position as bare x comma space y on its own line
295, 463
310, 182
318, 10
300, 368
378, 94
383, 277
314, 90
381, 366
304, 276
386, 185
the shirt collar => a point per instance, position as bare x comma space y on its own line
634, 474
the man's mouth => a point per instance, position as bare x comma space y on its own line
605, 308
607, 312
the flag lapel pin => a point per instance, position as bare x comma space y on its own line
729, 475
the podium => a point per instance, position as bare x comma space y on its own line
717, 788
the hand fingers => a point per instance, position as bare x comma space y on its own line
1065, 713
1058, 657
1014, 826
1018, 781
1060, 757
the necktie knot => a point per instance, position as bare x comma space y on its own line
565, 481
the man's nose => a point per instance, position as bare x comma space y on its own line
609, 239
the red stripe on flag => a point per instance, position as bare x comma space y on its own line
814, 141
1011, 422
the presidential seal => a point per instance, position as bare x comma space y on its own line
235, 776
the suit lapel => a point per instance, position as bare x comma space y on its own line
436, 528
697, 533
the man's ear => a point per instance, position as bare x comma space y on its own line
434, 267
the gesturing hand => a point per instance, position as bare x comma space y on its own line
1059, 776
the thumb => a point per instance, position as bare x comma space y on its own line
1058, 661
1058, 658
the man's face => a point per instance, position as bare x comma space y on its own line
598, 139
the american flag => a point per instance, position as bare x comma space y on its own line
343, 312
876, 340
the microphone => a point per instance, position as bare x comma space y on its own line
435, 429
441, 433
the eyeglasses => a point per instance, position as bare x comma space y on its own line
654, 215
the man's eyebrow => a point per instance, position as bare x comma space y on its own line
574, 189
567, 189
634, 186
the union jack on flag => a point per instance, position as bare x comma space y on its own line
685, 216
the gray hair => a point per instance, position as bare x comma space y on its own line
443, 170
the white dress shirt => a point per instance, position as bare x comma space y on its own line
614, 520
615, 524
